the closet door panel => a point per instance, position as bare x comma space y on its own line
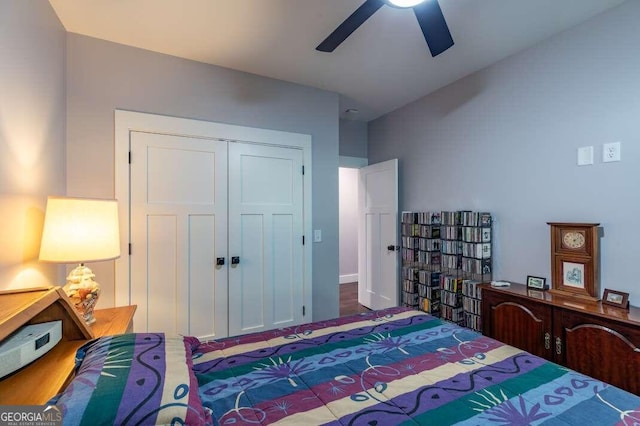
283, 251
162, 313
265, 228
179, 175
203, 294
249, 287
178, 229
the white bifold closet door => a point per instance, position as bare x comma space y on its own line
196, 201
265, 233
178, 227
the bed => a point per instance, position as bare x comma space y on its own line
395, 366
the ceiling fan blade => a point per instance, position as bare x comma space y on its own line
433, 26
350, 24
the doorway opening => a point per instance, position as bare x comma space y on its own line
378, 230
348, 241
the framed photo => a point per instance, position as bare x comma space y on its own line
537, 283
574, 277
573, 274
615, 298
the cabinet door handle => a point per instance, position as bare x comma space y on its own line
220, 261
558, 346
547, 340
235, 260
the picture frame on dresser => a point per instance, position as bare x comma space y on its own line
537, 283
615, 298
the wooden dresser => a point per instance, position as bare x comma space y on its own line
36, 383
595, 339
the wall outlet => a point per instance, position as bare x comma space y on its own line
611, 152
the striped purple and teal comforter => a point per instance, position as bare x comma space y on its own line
395, 366
133, 379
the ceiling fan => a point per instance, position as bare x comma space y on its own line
434, 27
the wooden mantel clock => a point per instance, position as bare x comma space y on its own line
574, 260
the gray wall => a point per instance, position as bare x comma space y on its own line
505, 140
103, 76
353, 138
32, 133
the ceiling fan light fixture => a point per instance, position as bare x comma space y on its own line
430, 18
405, 3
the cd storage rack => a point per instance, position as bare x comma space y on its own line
451, 281
444, 256
476, 263
421, 261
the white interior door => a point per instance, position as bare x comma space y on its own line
178, 229
266, 230
378, 235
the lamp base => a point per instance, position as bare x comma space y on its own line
83, 292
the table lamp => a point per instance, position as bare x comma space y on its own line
78, 230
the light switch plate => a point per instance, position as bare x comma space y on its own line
585, 156
317, 235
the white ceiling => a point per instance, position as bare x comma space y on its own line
383, 65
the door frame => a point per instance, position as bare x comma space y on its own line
128, 121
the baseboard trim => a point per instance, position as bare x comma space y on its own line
349, 278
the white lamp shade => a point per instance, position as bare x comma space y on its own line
80, 230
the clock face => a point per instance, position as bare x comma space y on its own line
573, 239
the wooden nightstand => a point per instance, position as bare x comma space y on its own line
113, 321
44, 378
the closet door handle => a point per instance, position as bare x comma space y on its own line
393, 247
220, 261
235, 260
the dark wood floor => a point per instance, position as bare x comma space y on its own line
349, 300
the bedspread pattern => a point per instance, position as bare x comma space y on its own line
392, 367
133, 379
